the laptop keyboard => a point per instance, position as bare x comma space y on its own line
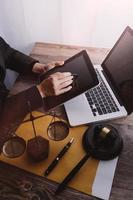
100, 99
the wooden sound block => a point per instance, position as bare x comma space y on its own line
109, 149
38, 148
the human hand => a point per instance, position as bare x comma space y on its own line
56, 84
42, 68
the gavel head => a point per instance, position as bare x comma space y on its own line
102, 141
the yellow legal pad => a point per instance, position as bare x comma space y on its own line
83, 180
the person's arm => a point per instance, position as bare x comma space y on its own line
23, 63
14, 109
16, 60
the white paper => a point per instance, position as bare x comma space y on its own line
104, 178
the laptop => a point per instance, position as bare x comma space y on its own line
107, 100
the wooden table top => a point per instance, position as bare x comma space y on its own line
123, 181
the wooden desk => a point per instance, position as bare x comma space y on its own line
123, 182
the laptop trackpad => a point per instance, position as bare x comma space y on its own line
78, 110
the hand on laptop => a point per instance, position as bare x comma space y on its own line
56, 84
42, 68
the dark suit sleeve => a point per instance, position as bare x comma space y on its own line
16, 60
15, 109
32, 95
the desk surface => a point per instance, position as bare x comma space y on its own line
123, 182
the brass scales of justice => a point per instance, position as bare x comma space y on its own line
37, 147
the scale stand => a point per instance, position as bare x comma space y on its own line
37, 147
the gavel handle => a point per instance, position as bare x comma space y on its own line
68, 178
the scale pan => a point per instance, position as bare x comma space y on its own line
14, 147
58, 130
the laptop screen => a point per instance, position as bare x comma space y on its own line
118, 66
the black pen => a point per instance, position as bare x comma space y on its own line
68, 178
59, 156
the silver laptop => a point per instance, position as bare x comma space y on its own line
106, 101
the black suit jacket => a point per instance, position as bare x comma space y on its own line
14, 60
14, 108
17, 61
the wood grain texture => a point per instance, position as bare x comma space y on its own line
12, 179
17, 184
46, 52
